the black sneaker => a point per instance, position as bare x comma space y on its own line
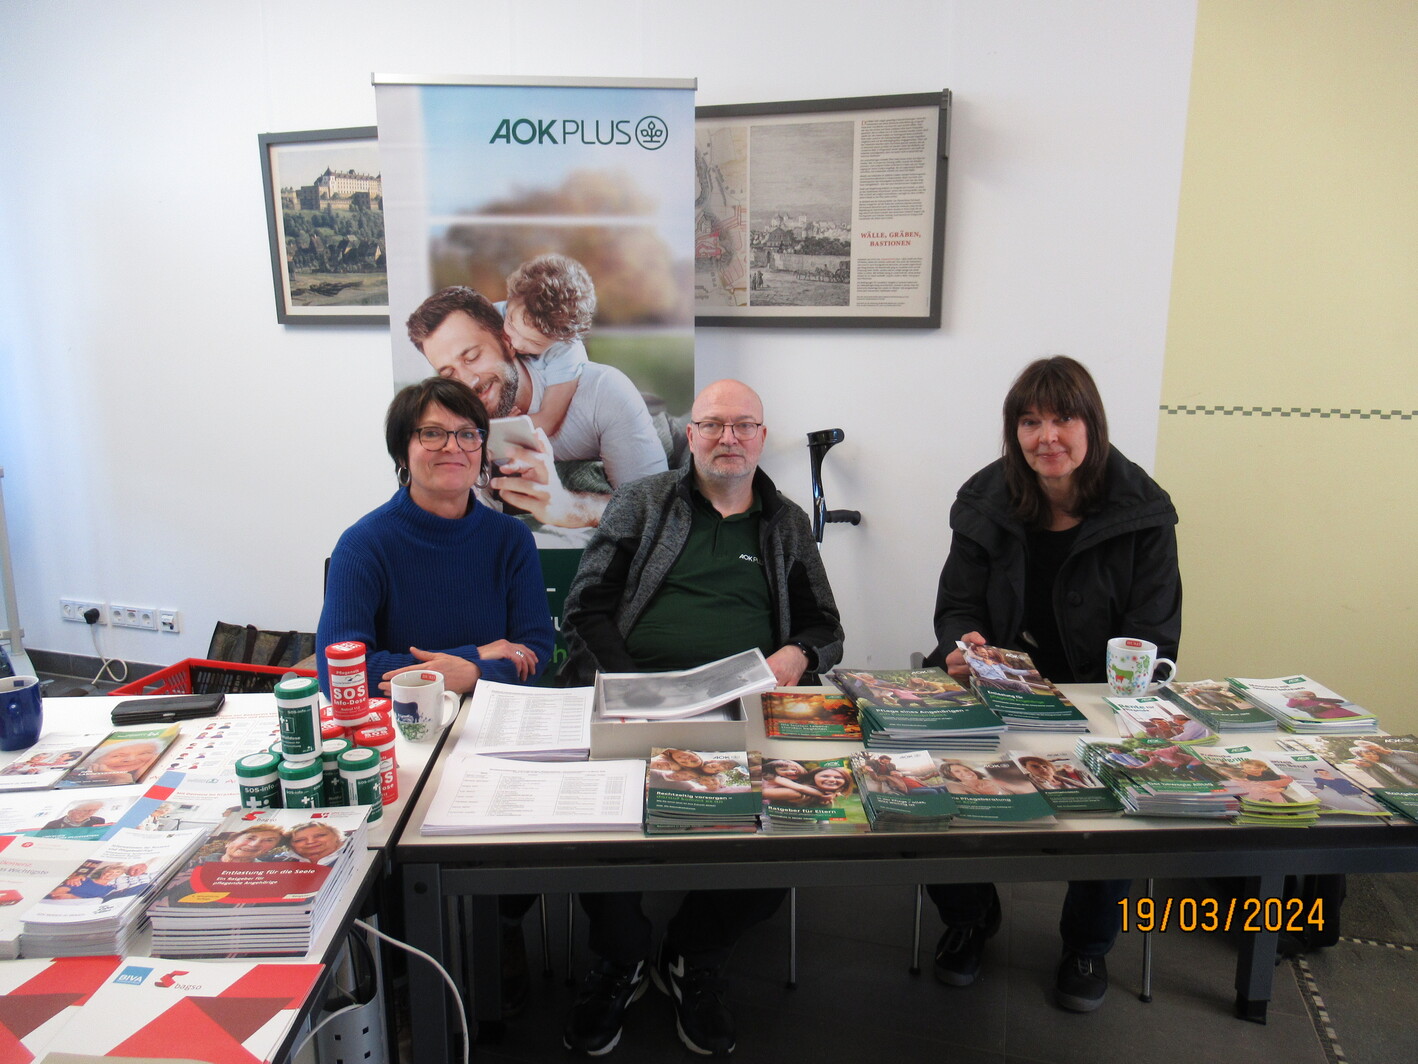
960, 949
598, 1012
1081, 983
702, 1017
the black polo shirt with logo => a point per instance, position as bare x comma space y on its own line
715, 600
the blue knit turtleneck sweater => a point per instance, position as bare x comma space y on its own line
401, 577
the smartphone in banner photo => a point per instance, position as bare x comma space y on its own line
505, 432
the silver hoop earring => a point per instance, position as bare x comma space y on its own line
403, 476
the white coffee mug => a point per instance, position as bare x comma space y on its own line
422, 707
1131, 663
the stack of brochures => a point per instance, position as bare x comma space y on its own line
99, 906
1065, 782
691, 693
794, 714
489, 795
902, 791
1382, 766
29, 869
802, 796
92, 814
993, 790
264, 883
1152, 777
1269, 795
89, 759
528, 723
1150, 717
1217, 706
1404, 802
916, 709
48, 761
1306, 707
181, 801
1010, 685
92, 1008
702, 791
1338, 794
123, 757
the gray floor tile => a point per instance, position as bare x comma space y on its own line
855, 995
1370, 997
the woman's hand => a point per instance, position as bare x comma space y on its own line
955, 661
521, 656
459, 674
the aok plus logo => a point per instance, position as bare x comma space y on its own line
650, 133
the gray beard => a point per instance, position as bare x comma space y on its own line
511, 381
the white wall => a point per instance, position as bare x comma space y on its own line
165, 443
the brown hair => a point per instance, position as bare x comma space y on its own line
412, 400
1063, 387
432, 312
557, 294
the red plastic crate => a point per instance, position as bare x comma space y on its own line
197, 676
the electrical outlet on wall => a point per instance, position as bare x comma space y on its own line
134, 617
74, 610
169, 621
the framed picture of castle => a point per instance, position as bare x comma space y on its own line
325, 218
821, 212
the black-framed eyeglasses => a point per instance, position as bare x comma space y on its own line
744, 430
434, 438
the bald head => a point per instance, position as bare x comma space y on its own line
726, 437
730, 393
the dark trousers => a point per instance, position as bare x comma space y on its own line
1088, 924
703, 930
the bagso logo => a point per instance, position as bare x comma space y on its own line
650, 132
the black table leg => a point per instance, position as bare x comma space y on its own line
485, 933
1255, 966
432, 1027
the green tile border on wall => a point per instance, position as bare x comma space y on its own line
1290, 411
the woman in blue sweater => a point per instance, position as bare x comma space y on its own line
433, 579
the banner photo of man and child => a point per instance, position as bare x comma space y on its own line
541, 243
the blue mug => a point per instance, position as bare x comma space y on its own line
21, 712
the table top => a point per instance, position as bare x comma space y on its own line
1078, 834
91, 714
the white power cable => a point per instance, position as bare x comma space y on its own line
107, 663
462, 1015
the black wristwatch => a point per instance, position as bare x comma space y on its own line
808, 652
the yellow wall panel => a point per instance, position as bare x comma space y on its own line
1295, 284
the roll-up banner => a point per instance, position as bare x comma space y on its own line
540, 237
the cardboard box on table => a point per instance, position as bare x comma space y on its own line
617, 739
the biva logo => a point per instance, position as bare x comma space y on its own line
650, 133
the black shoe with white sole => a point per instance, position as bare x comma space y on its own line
598, 1013
702, 1017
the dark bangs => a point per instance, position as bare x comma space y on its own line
1061, 386
408, 406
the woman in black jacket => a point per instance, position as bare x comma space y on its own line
1058, 546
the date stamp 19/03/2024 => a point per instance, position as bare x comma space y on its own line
1294, 915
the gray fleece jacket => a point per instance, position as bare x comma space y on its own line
642, 532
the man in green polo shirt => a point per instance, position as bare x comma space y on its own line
687, 567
